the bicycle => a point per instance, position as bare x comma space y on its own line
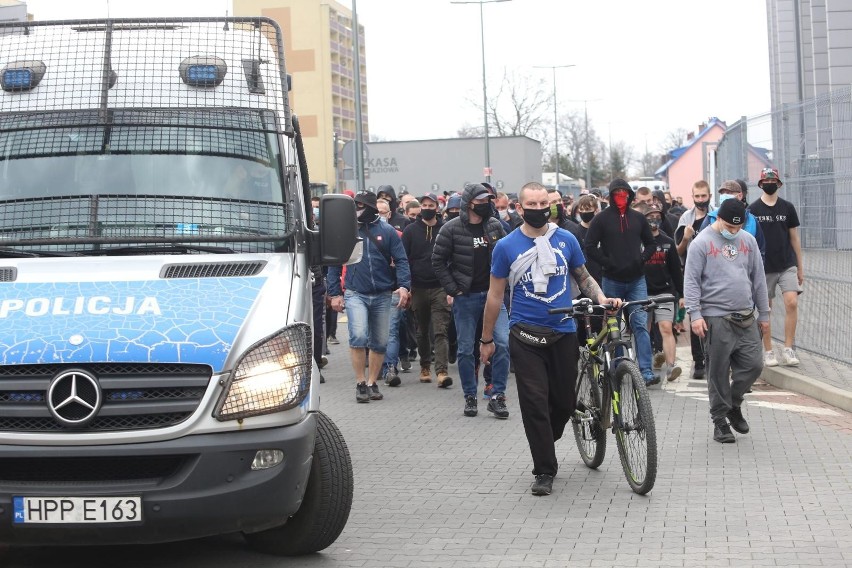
608, 371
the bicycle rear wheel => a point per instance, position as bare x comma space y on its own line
635, 433
588, 430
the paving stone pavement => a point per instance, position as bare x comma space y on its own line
434, 488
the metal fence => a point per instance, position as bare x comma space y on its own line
811, 145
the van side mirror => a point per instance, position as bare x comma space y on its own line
337, 241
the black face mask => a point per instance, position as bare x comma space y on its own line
536, 218
427, 214
587, 216
770, 188
702, 205
483, 210
452, 215
368, 215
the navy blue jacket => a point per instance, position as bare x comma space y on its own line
374, 274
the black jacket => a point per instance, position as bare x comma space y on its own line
418, 238
663, 272
452, 257
621, 238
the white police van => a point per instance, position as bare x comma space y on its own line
156, 373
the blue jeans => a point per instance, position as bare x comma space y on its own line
467, 309
396, 318
369, 320
629, 291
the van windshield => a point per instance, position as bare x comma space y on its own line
177, 175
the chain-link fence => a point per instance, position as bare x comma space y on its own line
810, 143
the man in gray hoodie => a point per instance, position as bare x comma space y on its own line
725, 293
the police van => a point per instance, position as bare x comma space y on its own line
157, 381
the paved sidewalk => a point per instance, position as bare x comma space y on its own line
434, 488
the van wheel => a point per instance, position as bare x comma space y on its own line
326, 504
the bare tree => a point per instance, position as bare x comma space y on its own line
517, 108
674, 139
468, 131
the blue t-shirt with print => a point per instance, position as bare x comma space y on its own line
527, 306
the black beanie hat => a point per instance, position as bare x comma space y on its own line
733, 211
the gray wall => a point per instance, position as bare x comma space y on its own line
420, 164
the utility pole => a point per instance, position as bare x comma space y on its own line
555, 116
487, 170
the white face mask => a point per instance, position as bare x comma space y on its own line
504, 214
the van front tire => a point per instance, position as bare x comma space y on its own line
326, 504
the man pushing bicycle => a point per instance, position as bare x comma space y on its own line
538, 262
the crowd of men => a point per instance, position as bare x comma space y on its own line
468, 278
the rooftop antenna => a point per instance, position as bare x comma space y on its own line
225, 27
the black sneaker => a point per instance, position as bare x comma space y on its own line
392, 378
404, 363
722, 432
497, 406
374, 392
697, 372
470, 405
543, 485
738, 423
362, 392
333, 340
323, 362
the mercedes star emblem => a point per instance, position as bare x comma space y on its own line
74, 398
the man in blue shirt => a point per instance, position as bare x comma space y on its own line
540, 262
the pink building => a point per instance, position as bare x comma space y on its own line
687, 164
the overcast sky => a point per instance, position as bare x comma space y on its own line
647, 67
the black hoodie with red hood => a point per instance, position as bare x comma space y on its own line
620, 242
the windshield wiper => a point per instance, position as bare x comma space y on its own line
15, 253
158, 249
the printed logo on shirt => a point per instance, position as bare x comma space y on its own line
479, 242
730, 252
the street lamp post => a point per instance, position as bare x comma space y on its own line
359, 127
555, 115
484, 88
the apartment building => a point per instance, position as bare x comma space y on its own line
318, 44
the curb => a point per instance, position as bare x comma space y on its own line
788, 380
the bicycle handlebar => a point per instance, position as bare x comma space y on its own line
586, 307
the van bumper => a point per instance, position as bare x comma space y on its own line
211, 491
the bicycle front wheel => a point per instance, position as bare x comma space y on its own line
588, 431
635, 433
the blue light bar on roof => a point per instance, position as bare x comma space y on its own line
203, 71
20, 76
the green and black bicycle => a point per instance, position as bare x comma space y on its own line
608, 372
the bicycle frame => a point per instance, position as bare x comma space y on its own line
610, 337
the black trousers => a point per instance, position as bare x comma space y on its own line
546, 379
697, 350
318, 292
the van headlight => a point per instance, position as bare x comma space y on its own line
273, 375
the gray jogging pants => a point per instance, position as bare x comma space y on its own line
735, 357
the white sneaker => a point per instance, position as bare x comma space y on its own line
788, 357
769, 359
